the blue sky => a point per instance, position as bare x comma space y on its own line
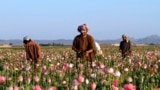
59, 19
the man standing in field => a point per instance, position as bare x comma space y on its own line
84, 44
33, 51
125, 46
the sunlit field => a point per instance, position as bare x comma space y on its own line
59, 70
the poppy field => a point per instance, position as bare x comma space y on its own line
60, 70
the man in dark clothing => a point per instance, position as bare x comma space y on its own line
125, 46
84, 44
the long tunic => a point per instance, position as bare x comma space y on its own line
82, 44
125, 48
33, 51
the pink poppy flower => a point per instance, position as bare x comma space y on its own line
110, 70
92, 86
9, 88
51, 88
15, 88
37, 87
20, 78
117, 73
157, 88
81, 66
65, 66
75, 83
115, 82
101, 65
129, 79
36, 78
2, 79
93, 64
129, 87
12, 88
80, 78
52, 67
114, 87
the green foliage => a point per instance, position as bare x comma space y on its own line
56, 69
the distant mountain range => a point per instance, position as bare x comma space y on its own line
153, 39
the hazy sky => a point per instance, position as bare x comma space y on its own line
59, 19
